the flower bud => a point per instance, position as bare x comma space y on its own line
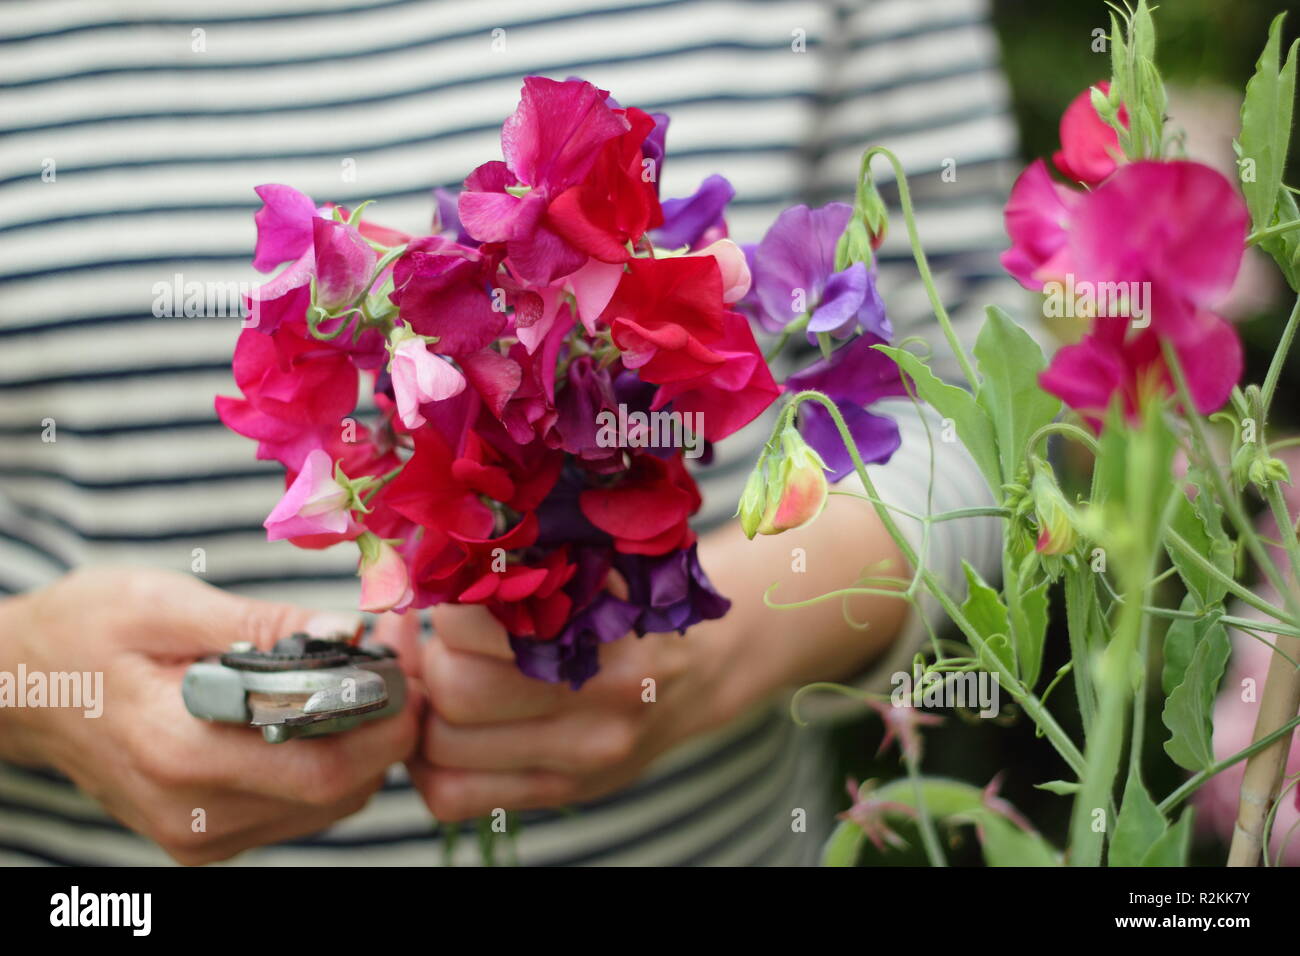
753, 500
385, 582
796, 487
1056, 532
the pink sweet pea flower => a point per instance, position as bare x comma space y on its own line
284, 225
419, 376
1178, 227
344, 263
734, 268
314, 504
1038, 216
1170, 235
385, 581
1089, 145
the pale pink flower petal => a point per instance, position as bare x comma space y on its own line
314, 504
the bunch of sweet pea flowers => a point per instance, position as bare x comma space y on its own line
555, 295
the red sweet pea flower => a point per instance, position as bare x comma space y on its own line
527, 600
1089, 145
615, 204
729, 396
665, 314
646, 512
296, 390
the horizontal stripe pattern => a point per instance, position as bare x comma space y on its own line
155, 147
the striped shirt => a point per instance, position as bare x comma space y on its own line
131, 135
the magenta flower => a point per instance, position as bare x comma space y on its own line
1178, 226
1167, 238
1038, 216
315, 503
440, 289
550, 144
284, 227
419, 376
344, 263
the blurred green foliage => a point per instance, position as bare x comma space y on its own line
1047, 51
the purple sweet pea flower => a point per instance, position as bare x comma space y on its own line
654, 146
794, 274
856, 375
573, 656
672, 592
687, 221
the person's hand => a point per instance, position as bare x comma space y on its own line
146, 759
495, 738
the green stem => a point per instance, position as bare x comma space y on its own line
1277, 229
922, 264
1279, 358
1062, 428
1031, 705
925, 823
1231, 502
1193, 783
1188, 551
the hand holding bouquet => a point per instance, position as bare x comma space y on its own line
541, 365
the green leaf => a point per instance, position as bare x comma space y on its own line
1205, 533
983, 606
1139, 826
1266, 125
1286, 247
1173, 848
1189, 706
1182, 639
1010, 362
973, 426
844, 845
1029, 624
1005, 844
1062, 788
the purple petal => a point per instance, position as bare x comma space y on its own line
796, 257
686, 220
876, 436
841, 299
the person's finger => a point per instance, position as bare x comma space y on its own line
234, 822
472, 629
453, 795
473, 689
401, 632
575, 743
